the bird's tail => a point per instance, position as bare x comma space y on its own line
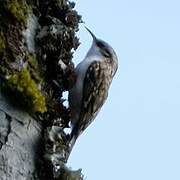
75, 133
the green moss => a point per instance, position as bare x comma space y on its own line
2, 42
33, 68
19, 9
32, 61
26, 91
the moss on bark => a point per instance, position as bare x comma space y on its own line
37, 41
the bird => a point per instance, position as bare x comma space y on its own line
90, 91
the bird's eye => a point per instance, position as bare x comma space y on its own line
104, 49
100, 44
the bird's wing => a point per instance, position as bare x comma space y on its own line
95, 92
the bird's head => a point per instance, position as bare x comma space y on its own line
102, 48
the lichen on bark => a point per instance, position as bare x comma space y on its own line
22, 86
19, 10
37, 41
21, 76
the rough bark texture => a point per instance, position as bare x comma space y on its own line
37, 40
20, 143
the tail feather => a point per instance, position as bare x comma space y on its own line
73, 137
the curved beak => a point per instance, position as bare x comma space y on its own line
93, 36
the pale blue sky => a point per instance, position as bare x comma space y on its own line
136, 135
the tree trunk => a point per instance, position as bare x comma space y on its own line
37, 39
20, 143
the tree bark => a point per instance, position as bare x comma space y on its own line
20, 143
37, 39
